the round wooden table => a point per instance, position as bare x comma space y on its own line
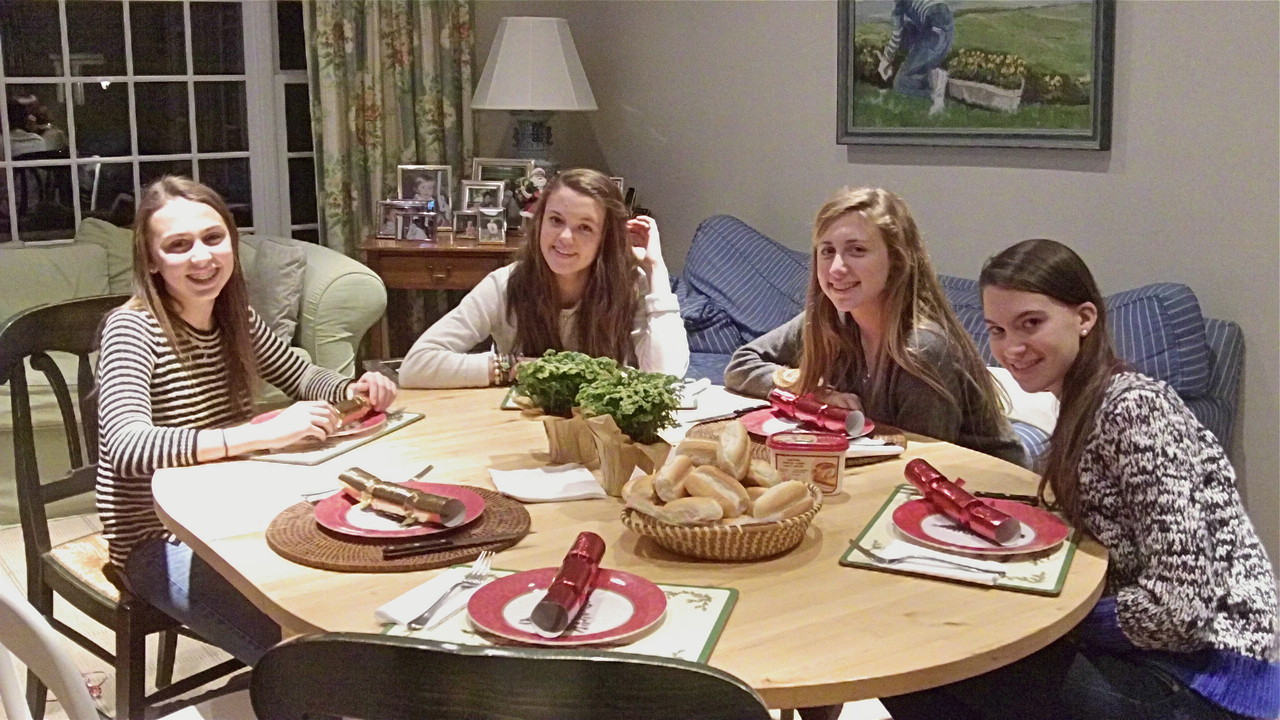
805, 631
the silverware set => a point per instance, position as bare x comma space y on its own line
890, 561
475, 578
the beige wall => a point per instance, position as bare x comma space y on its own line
729, 107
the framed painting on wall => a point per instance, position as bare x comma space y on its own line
976, 73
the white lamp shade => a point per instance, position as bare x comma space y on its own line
533, 65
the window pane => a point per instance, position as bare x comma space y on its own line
218, 47
163, 125
221, 121
5, 234
102, 122
44, 202
290, 36
302, 191
310, 235
231, 179
95, 35
297, 117
149, 172
30, 38
106, 192
37, 119
159, 41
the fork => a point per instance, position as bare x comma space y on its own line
882, 560
473, 579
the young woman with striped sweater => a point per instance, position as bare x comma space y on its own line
176, 374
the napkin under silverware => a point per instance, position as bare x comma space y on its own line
411, 604
984, 572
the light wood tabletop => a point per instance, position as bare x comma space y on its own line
805, 630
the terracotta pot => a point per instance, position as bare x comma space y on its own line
569, 440
620, 456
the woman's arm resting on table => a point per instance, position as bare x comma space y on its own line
752, 367
440, 358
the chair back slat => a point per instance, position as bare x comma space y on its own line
395, 678
62, 393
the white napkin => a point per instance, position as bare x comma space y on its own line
901, 548
872, 447
548, 484
412, 604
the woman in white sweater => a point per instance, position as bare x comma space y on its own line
589, 280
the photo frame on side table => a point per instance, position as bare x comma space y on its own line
432, 184
466, 225
976, 74
493, 226
507, 170
482, 193
621, 183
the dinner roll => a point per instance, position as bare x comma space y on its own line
709, 481
763, 474
668, 482
638, 494
735, 450
690, 511
700, 452
785, 500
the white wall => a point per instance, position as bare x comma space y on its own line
730, 107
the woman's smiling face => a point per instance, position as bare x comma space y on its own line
852, 262
1035, 337
571, 232
191, 253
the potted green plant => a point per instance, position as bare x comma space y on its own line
624, 413
551, 384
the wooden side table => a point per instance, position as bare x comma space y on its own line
442, 265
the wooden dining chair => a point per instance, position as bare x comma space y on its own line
379, 677
25, 634
78, 570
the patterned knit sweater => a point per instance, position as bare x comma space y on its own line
1188, 580
151, 404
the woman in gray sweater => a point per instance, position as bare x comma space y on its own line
877, 334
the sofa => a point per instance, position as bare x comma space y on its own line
320, 300
738, 284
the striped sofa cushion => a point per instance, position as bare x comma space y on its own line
1158, 329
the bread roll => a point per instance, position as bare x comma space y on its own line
690, 511
700, 452
638, 494
709, 481
754, 492
735, 450
785, 500
763, 474
668, 482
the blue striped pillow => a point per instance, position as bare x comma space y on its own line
1158, 329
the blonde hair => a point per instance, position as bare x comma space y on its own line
913, 300
230, 309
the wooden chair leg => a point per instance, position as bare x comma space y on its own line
164, 662
37, 693
131, 668
41, 597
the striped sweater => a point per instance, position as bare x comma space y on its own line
1188, 580
151, 404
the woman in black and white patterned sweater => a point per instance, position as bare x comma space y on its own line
176, 372
1187, 624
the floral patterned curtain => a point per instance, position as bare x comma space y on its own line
390, 85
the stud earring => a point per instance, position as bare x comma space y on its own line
1084, 333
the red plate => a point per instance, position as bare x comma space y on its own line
621, 606
767, 421
922, 522
369, 423
338, 513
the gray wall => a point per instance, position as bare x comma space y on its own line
729, 107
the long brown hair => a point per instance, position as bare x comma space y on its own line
913, 300
609, 303
1049, 268
230, 309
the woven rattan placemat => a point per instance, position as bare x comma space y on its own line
888, 433
295, 535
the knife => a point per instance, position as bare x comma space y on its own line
421, 547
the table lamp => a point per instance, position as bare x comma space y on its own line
533, 70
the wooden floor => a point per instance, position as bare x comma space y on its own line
192, 656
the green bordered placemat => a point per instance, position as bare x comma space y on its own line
695, 618
334, 447
1042, 573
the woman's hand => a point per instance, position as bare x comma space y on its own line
377, 388
301, 420
848, 401
646, 245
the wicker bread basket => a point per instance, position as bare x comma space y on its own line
726, 542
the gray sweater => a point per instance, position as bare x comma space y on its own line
910, 404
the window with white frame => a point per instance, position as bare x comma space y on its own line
104, 96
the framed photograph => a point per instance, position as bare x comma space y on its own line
432, 184
466, 224
622, 184
493, 227
415, 222
508, 170
482, 194
980, 73
384, 216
